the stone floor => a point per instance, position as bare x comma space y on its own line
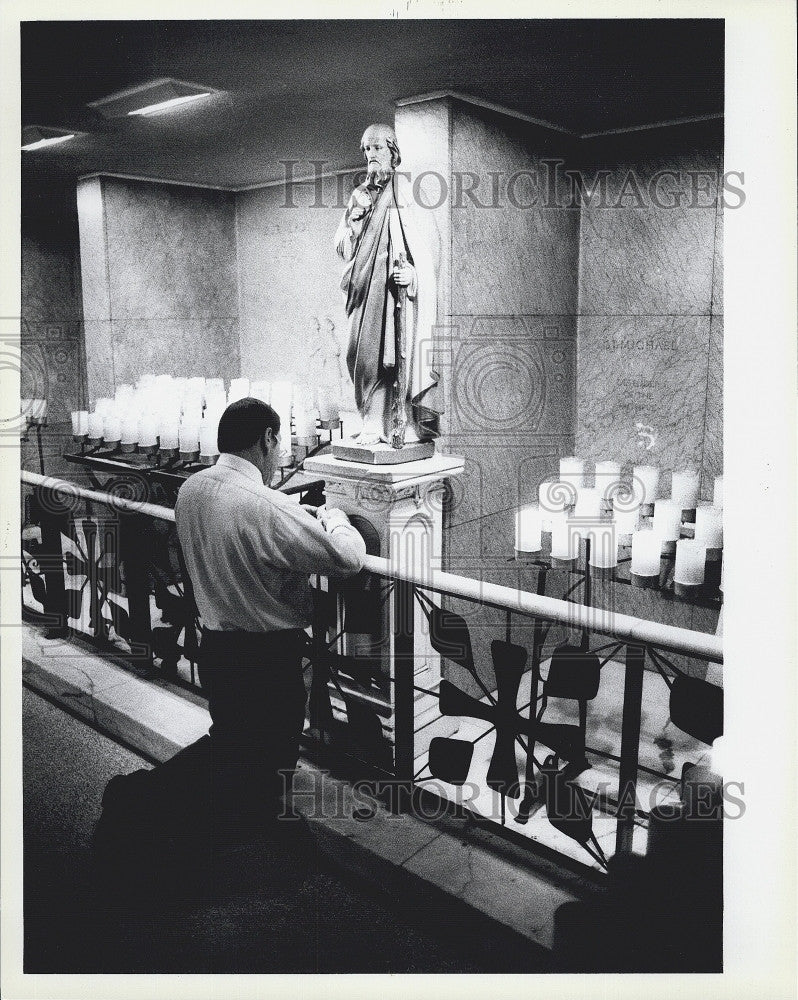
463, 867
332, 922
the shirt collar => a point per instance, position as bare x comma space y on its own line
241, 465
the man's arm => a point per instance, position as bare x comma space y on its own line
296, 540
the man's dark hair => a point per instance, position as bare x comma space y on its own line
244, 423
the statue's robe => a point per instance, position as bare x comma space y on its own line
370, 247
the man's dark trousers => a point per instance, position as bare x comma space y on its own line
256, 699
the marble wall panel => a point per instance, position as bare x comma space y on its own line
171, 251
175, 346
712, 462
93, 252
717, 268
160, 284
648, 238
293, 323
512, 252
51, 313
423, 131
649, 371
100, 376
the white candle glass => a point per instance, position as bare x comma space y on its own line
564, 539
328, 404
588, 503
80, 422
148, 431
645, 479
691, 557
188, 437
646, 551
282, 400
667, 520
527, 528
239, 389
603, 546
709, 526
607, 475
112, 428
626, 521
168, 433
572, 470
95, 425
684, 488
208, 441
129, 429
260, 389
717, 493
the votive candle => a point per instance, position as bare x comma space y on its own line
607, 475
239, 389
626, 521
691, 557
572, 470
709, 526
684, 489
717, 493
528, 528
603, 546
260, 389
112, 429
588, 503
667, 520
208, 440
645, 478
80, 423
129, 429
646, 552
148, 431
564, 539
168, 432
94, 427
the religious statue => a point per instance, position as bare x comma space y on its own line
390, 288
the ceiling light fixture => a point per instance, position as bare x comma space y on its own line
151, 98
37, 137
174, 102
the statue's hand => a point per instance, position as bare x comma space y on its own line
360, 205
403, 276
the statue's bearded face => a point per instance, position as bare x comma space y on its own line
377, 153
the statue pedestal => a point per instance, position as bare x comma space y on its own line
383, 454
399, 510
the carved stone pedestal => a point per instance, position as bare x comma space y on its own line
400, 511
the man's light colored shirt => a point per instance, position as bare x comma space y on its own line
249, 549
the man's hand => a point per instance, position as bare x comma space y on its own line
403, 276
331, 517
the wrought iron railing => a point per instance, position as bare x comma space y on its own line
108, 566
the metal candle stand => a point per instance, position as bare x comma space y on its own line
706, 594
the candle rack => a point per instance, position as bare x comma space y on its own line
707, 595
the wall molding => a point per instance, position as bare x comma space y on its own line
502, 109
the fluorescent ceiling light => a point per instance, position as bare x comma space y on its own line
37, 137
174, 102
151, 98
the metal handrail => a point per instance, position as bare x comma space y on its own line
625, 627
